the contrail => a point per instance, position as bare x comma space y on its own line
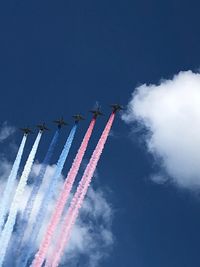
39, 217
8, 228
5, 201
65, 193
76, 203
31, 200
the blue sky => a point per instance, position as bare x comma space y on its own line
58, 58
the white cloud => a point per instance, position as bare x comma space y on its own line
5, 131
5, 168
159, 178
170, 111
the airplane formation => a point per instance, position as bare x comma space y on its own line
78, 117
9, 213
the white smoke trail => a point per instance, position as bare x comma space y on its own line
41, 214
20, 233
4, 204
7, 231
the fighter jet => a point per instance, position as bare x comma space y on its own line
60, 122
78, 118
42, 127
26, 130
116, 107
96, 112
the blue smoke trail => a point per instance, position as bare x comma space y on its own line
35, 189
8, 228
37, 224
4, 204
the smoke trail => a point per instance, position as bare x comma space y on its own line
66, 191
4, 207
79, 196
76, 201
36, 186
7, 231
27, 250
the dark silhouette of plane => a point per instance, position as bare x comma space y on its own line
42, 127
96, 112
26, 130
78, 117
116, 107
60, 122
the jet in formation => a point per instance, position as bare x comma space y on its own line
96, 113
26, 130
116, 107
78, 117
42, 127
60, 122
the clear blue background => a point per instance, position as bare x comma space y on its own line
60, 57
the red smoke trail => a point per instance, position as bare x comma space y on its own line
40, 256
79, 196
